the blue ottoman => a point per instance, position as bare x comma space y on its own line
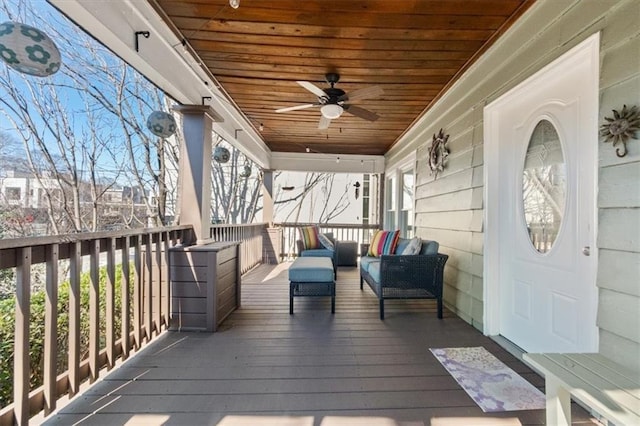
312, 276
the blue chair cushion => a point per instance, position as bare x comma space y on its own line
429, 247
366, 261
374, 271
402, 244
311, 270
318, 253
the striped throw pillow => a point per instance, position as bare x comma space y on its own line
309, 237
383, 242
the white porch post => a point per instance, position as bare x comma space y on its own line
267, 197
195, 168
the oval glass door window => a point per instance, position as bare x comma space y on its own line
544, 186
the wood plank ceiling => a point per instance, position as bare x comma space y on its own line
412, 49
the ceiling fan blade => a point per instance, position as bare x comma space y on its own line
312, 88
361, 112
295, 108
364, 93
324, 122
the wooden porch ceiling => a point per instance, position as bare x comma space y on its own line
413, 49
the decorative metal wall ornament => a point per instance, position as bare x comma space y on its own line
28, 50
357, 186
161, 124
246, 170
622, 127
221, 154
438, 153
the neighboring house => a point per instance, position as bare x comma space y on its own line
23, 189
359, 191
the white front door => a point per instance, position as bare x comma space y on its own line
540, 168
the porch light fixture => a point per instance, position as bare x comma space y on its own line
234, 3
331, 111
161, 124
28, 50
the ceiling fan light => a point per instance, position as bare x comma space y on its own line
331, 111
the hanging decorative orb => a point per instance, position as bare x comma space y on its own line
221, 154
161, 124
28, 50
246, 170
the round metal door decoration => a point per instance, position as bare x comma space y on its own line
621, 127
161, 124
28, 50
221, 154
438, 153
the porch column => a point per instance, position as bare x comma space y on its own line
267, 197
195, 168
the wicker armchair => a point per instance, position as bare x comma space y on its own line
417, 276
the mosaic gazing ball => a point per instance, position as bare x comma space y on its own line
221, 154
161, 124
246, 171
28, 50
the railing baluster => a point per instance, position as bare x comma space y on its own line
165, 275
137, 292
51, 329
94, 309
74, 317
148, 284
157, 262
110, 302
125, 302
21, 370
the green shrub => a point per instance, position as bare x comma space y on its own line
36, 331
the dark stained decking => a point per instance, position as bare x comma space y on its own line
265, 367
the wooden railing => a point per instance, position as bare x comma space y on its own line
144, 313
251, 241
143, 296
341, 231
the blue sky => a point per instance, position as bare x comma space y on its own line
75, 48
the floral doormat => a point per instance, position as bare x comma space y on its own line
489, 382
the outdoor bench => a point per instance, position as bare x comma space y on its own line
608, 388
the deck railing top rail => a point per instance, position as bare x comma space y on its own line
10, 243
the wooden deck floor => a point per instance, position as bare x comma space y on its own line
265, 367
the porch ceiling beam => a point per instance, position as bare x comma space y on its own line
161, 59
331, 163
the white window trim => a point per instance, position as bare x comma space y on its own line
395, 172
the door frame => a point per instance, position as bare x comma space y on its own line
586, 56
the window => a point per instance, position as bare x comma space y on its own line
390, 203
366, 197
406, 204
13, 193
399, 198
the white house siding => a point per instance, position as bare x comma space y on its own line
450, 208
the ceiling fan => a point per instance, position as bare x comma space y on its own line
332, 101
